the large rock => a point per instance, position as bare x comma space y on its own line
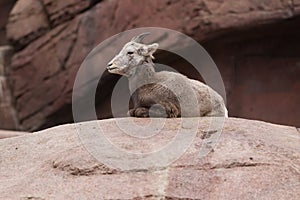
10, 134
252, 160
5, 8
26, 22
43, 72
61, 11
31, 19
8, 115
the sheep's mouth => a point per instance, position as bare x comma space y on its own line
114, 70
112, 67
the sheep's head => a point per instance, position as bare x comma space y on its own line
133, 54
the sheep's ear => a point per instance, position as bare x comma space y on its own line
150, 49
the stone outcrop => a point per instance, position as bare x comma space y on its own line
33, 18
27, 21
252, 160
61, 11
8, 115
5, 8
59, 35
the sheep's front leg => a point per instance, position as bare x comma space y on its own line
164, 110
172, 111
156, 110
139, 112
131, 113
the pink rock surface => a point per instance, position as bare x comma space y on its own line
252, 160
8, 134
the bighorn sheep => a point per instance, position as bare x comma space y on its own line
161, 94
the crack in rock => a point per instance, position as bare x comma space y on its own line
83, 171
32, 198
207, 134
238, 164
231, 165
152, 196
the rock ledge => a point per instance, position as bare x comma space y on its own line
251, 160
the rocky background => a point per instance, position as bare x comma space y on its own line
254, 43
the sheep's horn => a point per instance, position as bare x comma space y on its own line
139, 38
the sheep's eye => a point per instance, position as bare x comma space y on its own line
130, 52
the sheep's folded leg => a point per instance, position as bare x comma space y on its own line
171, 110
131, 113
157, 110
140, 112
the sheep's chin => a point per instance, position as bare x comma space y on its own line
116, 71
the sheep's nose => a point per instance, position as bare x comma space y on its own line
109, 65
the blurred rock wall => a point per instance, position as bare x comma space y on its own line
254, 44
5, 8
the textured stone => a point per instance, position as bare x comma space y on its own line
10, 134
8, 115
5, 7
27, 21
296, 5
50, 73
8, 118
61, 11
253, 160
5, 58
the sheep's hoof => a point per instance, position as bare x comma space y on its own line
172, 115
131, 112
172, 112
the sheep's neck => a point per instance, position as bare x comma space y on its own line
142, 75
